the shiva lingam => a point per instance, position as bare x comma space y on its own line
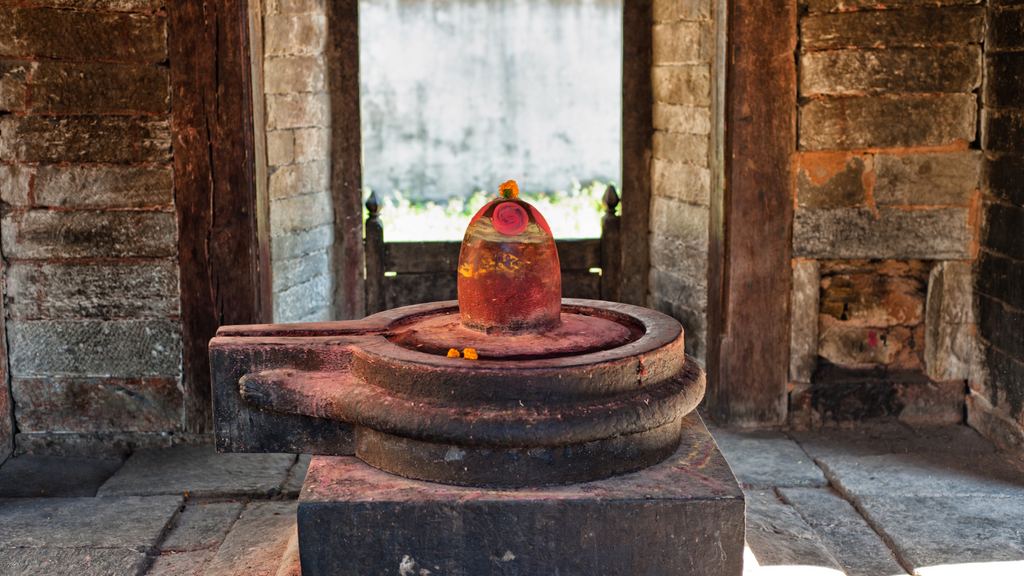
510, 386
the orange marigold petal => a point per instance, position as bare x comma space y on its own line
453, 353
509, 189
470, 354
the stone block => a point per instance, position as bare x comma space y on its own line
1005, 29
948, 322
672, 10
690, 292
1000, 277
683, 182
15, 182
972, 534
294, 34
288, 74
683, 119
45, 234
293, 6
13, 85
295, 271
105, 139
850, 539
898, 347
130, 523
694, 322
296, 179
1003, 72
682, 222
833, 179
30, 476
258, 543
100, 88
101, 348
77, 35
312, 144
1002, 130
803, 347
299, 301
677, 43
683, 516
297, 110
56, 561
324, 314
179, 563
887, 122
935, 234
881, 295
1001, 326
98, 445
894, 28
931, 403
869, 438
280, 147
683, 148
292, 487
687, 85
121, 289
201, 525
993, 424
1000, 229
98, 404
997, 377
296, 244
1002, 176
298, 213
763, 459
848, 5
891, 71
778, 536
104, 186
200, 472
675, 256
927, 179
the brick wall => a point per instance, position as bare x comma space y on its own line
89, 242
996, 400
298, 152
887, 187
683, 41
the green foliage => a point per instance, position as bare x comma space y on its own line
575, 213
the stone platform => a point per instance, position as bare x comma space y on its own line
682, 516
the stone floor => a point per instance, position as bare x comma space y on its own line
876, 500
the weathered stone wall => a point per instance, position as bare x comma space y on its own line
887, 186
298, 157
89, 237
683, 35
995, 405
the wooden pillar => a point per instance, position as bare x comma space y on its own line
752, 217
214, 183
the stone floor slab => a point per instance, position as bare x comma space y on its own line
133, 523
293, 485
199, 471
762, 459
201, 525
71, 562
778, 536
859, 550
934, 531
869, 439
191, 563
925, 474
258, 542
31, 476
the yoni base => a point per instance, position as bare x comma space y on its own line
683, 516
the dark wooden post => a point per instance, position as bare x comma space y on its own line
611, 248
374, 251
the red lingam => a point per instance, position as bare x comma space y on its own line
509, 277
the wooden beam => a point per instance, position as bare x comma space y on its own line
215, 184
748, 339
637, 134
346, 157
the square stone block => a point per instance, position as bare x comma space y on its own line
682, 516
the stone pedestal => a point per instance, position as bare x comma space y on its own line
682, 516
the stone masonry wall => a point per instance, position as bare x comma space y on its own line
886, 199
298, 151
89, 238
995, 405
683, 36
